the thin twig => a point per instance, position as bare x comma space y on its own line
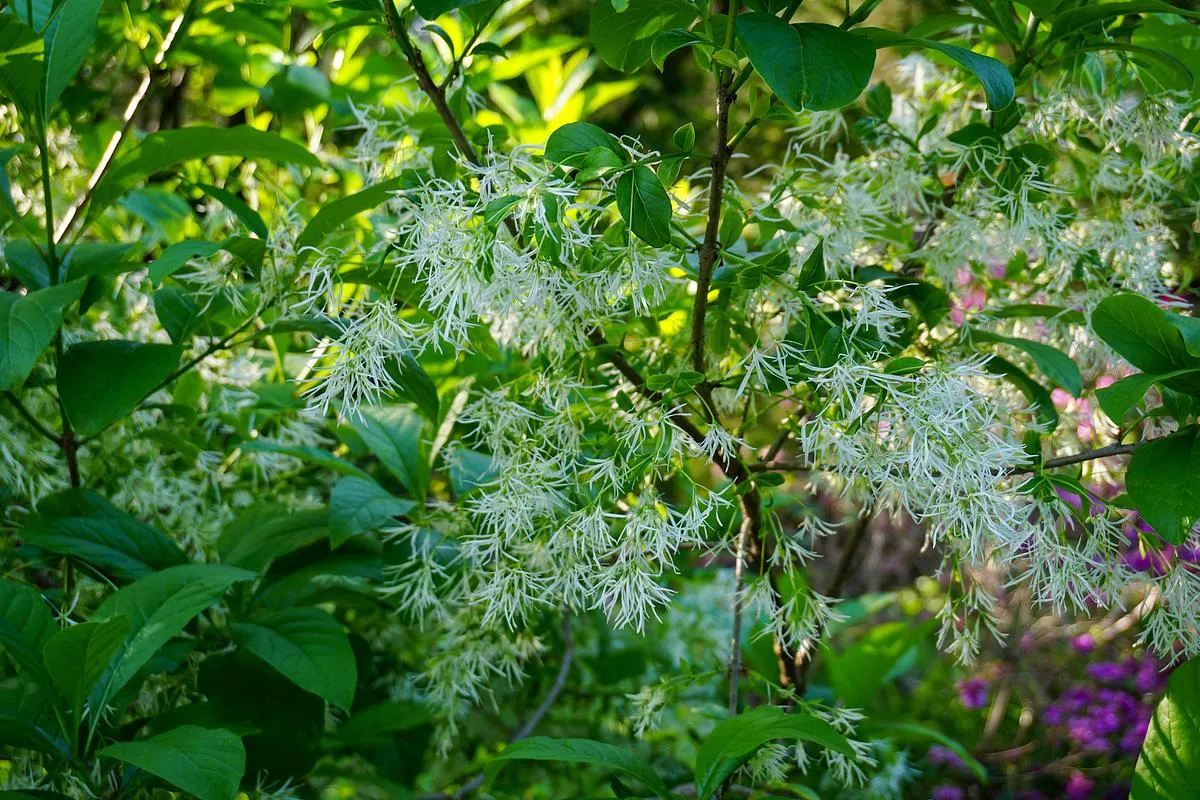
539, 713
131, 108
31, 419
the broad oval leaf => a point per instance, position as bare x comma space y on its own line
25, 627
67, 44
579, 751
1140, 332
77, 656
395, 434
205, 762
100, 382
27, 326
997, 81
157, 606
1117, 399
808, 66
306, 646
358, 505
1169, 763
79, 522
733, 741
571, 144
645, 206
624, 39
374, 724
266, 531
1163, 481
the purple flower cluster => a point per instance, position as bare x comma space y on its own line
1155, 562
1108, 719
973, 692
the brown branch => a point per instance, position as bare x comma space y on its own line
1091, 455
435, 93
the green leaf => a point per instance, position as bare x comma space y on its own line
1169, 763
27, 326
100, 382
157, 606
177, 255
376, 723
1074, 21
25, 627
306, 646
813, 271
414, 385
859, 671
178, 313
578, 751
77, 656
67, 45
21, 65
205, 762
645, 206
358, 505
1043, 403
733, 741
395, 435
337, 213
1118, 398
1053, 363
81, 523
808, 66
625, 39
1163, 481
1139, 331
1189, 328
668, 42
908, 731
997, 81
245, 214
28, 719
311, 455
164, 149
571, 144
266, 531
432, 9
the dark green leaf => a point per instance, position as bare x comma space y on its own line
668, 42
1036, 393
245, 214
645, 206
414, 385
1169, 763
264, 532
67, 44
579, 751
21, 65
77, 656
25, 627
625, 39
431, 9
178, 313
306, 646
1141, 333
27, 326
1053, 363
358, 505
335, 214
205, 762
570, 144
733, 741
100, 382
28, 719
1163, 481
909, 731
1118, 398
158, 606
395, 435
162, 150
997, 81
81, 523
808, 66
